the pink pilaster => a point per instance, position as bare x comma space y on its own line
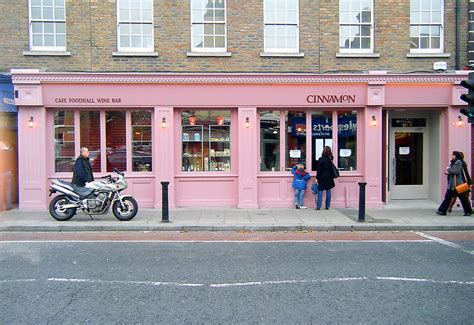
248, 160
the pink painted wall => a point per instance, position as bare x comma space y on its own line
245, 186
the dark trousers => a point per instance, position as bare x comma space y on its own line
464, 198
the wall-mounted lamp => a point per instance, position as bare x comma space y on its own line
31, 122
459, 122
374, 121
247, 122
164, 124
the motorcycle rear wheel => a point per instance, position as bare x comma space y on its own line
58, 213
130, 211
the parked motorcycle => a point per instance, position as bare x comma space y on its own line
95, 198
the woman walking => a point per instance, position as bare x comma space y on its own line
325, 177
456, 176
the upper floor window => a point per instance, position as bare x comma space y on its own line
281, 26
47, 25
135, 25
208, 26
426, 26
356, 22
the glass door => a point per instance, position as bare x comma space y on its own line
409, 170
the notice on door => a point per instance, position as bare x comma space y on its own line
404, 150
295, 153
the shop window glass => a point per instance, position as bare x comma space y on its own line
321, 128
270, 140
206, 140
90, 137
64, 144
116, 149
347, 140
141, 141
295, 139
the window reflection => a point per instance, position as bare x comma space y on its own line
115, 140
347, 140
270, 140
90, 137
321, 128
296, 139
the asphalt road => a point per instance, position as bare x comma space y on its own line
414, 280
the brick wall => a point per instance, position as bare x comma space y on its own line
91, 48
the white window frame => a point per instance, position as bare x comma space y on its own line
131, 22
209, 49
372, 32
30, 28
441, 39
283, 50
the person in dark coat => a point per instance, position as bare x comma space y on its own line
82, 173
469, 181
325, 177
455, 177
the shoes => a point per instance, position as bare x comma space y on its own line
467, 214
327, 208
317, 209
440, 213
449, 211
303, 207
297, 206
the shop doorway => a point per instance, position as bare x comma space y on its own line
413, 156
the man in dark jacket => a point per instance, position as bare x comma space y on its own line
82, 169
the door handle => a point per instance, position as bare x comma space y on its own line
394, 169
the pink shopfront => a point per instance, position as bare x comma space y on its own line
230, 139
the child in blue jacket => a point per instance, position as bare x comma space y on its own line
300, 177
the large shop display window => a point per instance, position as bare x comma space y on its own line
269, 140
347, 140
206, 139
293, 143
110, 128
64, 145
295, 139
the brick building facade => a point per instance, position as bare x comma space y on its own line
225, 123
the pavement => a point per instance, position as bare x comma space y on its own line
419, 216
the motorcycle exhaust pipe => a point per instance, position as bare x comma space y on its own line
65, 191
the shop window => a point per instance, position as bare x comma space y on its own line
295, 139
64, 144
269, 140
208, 25
116, 149
135, 25
321, 135
90, 137
47, 25
281, 26
141, 141
206, 140
347, 140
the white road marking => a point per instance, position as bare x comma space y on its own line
444, 242
240, 284
424, 280
217, 241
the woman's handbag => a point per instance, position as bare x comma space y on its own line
335, 171
461, 188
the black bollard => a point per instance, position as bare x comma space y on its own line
165, 213
362, 201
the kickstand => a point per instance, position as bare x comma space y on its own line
90, 217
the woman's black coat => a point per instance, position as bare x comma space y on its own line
325, 174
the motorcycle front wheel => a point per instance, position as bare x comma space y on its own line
126, 213
59, 213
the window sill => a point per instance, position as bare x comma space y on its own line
46, 53
357, 55
155, 54
428, 55
204, 54
282, 55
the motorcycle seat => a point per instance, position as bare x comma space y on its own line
82, 191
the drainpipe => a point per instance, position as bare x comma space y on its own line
458, 20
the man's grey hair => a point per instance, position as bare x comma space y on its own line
84, 149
